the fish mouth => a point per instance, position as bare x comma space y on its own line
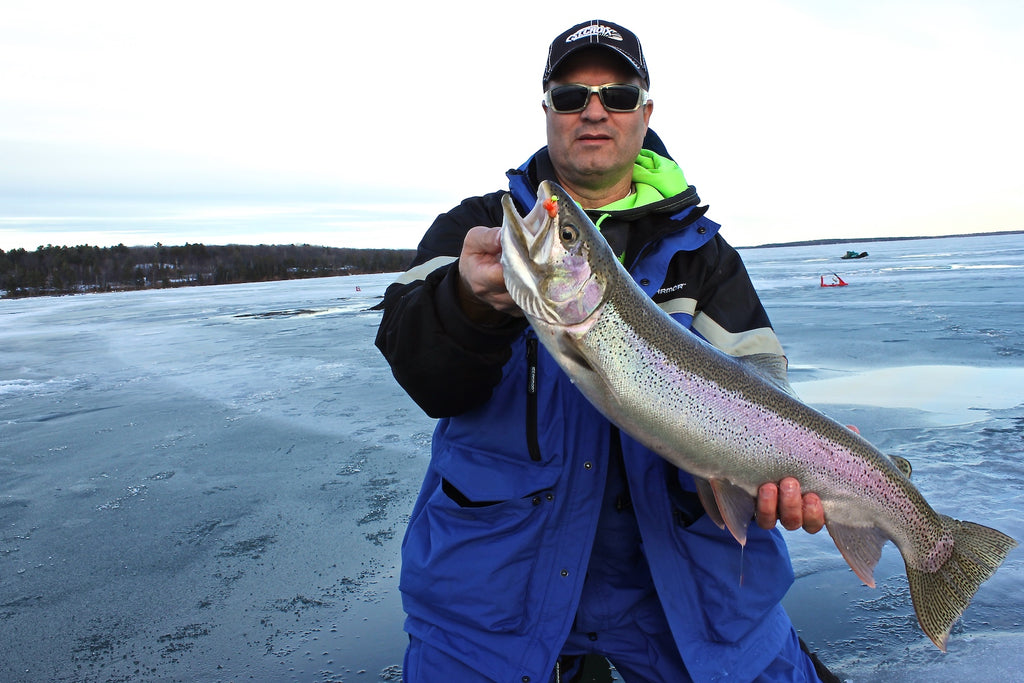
524, 240
528, 233
548, 283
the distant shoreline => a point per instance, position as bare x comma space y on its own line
60, 271
850, 240
57, 271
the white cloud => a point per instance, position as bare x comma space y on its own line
794, 119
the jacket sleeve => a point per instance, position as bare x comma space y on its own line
729, 313
445, 362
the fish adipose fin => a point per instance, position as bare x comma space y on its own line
728, 505
940, 597
861, 548
903, 465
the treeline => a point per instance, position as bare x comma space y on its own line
53, 270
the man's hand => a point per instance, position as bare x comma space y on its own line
783, 502
482, 292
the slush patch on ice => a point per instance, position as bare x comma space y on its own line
292, 313
21, 387
252, 547
117, 503
988, 266
953, 394
182, 640
17, 386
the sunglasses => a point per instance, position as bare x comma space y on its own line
574, 97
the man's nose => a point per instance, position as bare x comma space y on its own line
595, 108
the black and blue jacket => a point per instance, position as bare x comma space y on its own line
499, 540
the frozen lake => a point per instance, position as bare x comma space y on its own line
211, 484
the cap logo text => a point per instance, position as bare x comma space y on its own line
599, 30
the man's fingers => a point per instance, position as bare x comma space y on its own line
791, 504
814, 514
483, 240
767, 506
784, 503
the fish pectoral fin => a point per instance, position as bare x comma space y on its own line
571, 354
861, 547
707, 499
735, 506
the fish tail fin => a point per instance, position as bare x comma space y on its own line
940, 597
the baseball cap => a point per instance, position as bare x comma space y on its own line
597, 32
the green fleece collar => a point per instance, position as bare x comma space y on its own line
654, 178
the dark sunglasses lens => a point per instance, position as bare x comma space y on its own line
620, 97
569, 98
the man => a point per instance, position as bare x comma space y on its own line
541, 532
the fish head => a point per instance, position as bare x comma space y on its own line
552, 259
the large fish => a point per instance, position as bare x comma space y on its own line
733, 423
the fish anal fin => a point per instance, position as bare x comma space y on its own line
861, 547
707, 499
736, 506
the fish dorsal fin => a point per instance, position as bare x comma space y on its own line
861, 548
773, 367
736, 507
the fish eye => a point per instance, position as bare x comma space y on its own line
568, 233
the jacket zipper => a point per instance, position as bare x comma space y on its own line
532, 442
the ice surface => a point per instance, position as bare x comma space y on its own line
211, 484
202, 484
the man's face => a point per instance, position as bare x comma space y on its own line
594, 149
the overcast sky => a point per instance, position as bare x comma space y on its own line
354, 123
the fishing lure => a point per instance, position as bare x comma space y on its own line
552, 206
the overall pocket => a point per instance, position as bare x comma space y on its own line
470, 556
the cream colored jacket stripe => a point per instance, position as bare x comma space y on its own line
760, 340
421, 271
681, 305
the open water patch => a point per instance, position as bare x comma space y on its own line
950, 394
